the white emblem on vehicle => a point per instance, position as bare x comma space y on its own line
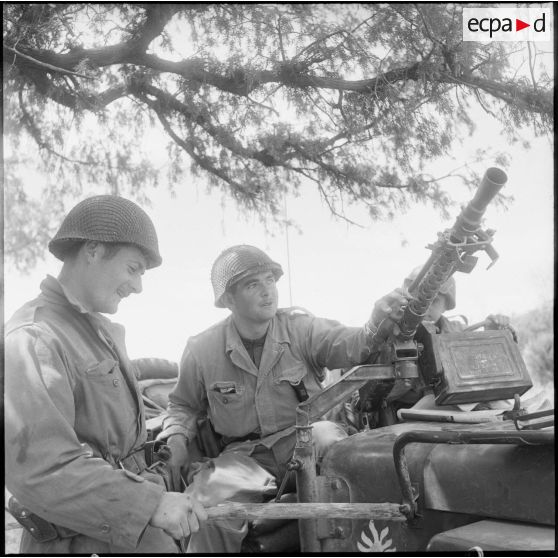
375, 543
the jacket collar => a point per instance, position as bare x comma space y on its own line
276, 332
276, 336
56, 293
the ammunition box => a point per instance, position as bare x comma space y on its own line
469, 367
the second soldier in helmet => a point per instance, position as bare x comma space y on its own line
249, 372
445, 300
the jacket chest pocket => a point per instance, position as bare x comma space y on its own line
104, 374
295, 381
293, 374
226, 397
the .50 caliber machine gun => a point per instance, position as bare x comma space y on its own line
461, 367
453, 251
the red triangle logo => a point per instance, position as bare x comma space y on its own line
519, 25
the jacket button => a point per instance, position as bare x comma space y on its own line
116, 382
225, 400
105, 528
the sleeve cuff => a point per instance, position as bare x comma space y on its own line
171, 431
129, 532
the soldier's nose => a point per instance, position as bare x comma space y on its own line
136, 284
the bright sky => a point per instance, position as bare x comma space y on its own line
336, 270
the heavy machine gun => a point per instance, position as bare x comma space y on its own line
453, 251
399, 355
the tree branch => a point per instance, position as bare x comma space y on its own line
203, 162
166, 100
48, 67
325, 197
73, 100
156, 18
291, 74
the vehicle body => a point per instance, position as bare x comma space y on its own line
462, 486
490, 488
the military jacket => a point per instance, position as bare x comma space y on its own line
218, 377
72, 410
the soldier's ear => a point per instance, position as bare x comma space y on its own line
228, 300
92, 249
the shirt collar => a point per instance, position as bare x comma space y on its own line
278, 328
276, 332
56, 292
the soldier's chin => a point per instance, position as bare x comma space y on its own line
110, 308
269, 311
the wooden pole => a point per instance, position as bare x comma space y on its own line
314, 510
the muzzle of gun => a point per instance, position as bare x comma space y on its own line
469, 220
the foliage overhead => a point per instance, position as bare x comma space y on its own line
357, 99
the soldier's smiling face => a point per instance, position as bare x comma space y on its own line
110, 279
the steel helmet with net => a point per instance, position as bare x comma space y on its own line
110, 219
448, 289
236, 263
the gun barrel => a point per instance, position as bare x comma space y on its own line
444, 258
469, 219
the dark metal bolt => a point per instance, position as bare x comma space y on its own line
294, 465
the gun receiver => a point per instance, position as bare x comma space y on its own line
452, 252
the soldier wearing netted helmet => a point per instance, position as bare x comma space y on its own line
74, 418
248, 373
236, 263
